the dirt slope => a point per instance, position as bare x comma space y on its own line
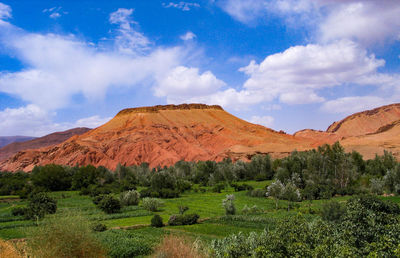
162, 135
48, 140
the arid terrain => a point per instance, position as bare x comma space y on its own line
163, 135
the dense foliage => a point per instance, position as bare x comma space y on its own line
369, 226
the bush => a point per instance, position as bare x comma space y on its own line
96, 200
66, 236
151, 204
130, 198
332, 211
99, 227
109, 204
182, 209
39, 205
241, 187
260, 193
218, 188
19, 211
377, 186
183, 219
229, 205
157, 221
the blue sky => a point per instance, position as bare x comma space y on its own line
286, 64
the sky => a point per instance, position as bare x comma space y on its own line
285, 64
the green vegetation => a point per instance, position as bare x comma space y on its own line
290, 198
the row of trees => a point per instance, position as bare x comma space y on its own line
315, 174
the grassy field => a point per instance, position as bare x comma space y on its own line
135, 221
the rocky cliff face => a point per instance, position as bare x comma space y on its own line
48, 140
162, 135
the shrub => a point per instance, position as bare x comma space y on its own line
109, 204
130, 198
241, 187
229, 204
39, 205
151, 204
183, 219
260, 193
217, 188
66, 236
377, 186
148, 192
99, 227
168, 193
157, 221
96, 200
19, 211
332, 211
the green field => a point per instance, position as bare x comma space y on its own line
135, 221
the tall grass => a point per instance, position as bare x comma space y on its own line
64, 236
173, 246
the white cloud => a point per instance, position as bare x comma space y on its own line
349, 105
244, 11
128, 40
32, 120
296, 74
266, 121
60, 67
188, 36
5, 11
54, 12
183, 83
364, 21
184, 6
91, 122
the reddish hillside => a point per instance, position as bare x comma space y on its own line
48, 140
368, 132
162, 135
366, 122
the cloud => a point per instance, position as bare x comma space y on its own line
266, 121
184, 6
128, 40
188, 36
5, 11
31, 120
183, 83
349, 105
366, 21
54, 12
296, 74
244, 11
92, 122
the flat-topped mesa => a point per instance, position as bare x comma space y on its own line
155, 109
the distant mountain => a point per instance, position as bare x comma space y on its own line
35, 143
368, 132
162, 135
4, 140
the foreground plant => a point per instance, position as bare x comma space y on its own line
67, 236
